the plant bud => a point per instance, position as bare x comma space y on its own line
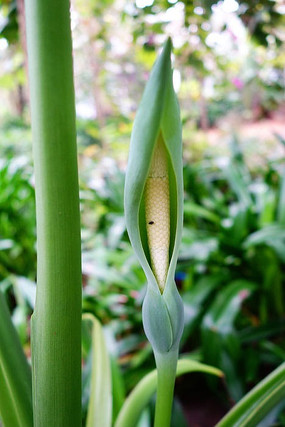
154, 203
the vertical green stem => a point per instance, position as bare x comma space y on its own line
56, 322
166, 372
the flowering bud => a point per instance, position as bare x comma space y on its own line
154, 203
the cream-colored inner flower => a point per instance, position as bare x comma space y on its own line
157, 212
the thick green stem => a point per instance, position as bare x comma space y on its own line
56, 322
166, 372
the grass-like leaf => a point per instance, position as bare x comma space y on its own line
100, 401
253, 407
15, 375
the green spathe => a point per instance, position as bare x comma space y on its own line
158, 114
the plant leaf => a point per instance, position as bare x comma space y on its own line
255, 405
219, 341
100, 401
272, 236
223, 311
118, 389
281, 202
15, 375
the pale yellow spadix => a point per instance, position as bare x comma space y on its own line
157, 213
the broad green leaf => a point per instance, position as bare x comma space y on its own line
15, 375
143, 392
250, 410
100, 401
157, 127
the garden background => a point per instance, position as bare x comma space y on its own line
229, 62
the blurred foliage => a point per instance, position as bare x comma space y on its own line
9, 28
229, 55
229, 62
233, 262
17, 220
230, 270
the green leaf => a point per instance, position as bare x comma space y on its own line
239, 179
15, 375
250, 410
268, 199
100, 401
192, 209
223, 311
255, 334
266, 234
158, 114
272, 235
239, 230
194, 300
118, 389
281, 202
220, 344
141, 395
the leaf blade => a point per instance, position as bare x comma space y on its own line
258, 402
15, 375
100, 402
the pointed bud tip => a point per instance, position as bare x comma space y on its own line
169, 42
164, 59
167, 47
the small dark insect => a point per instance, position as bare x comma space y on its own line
151, 222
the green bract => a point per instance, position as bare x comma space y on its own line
157, 119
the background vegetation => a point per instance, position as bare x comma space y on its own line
229, 75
